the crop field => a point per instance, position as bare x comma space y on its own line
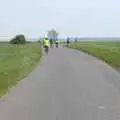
109, 51
16, 61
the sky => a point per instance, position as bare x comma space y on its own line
84, 18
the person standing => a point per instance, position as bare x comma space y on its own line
68, 41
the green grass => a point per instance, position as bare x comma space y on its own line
16, 61
107, 51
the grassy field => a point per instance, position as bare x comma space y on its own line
16, 61
108, 51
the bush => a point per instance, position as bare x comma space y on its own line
18, 39
38, 41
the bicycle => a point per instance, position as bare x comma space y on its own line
46, 49
56, 45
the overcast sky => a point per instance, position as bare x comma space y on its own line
91, 18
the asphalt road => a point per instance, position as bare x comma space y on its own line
66, 85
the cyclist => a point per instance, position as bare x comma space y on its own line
46, 45
51, 43
76, 39
56, 42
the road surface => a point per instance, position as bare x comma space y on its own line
67, 85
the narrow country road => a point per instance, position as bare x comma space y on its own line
66, 85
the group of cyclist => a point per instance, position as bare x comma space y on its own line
49, 43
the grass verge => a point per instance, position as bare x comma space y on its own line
108, 53
16, 61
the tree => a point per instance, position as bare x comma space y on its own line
52, 34
18, 39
